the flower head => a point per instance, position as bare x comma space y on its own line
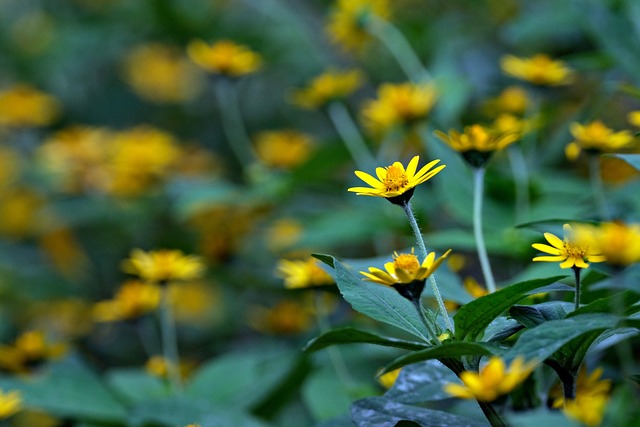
162, 266
29, 350
329, 86
634, 118
10, 403
618, 242
571, 252
592, 395
349, 19
404, 269
133, 300
539, 70
287, 317
492, 381
25, 106
224, 57
394, 182
304, 273
512, 100
595, 137
477, 143
284, 149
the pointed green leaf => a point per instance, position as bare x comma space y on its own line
607, 304
421, 382
350, 335
531, 316
446, 350
327, 259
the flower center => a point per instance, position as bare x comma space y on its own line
395, 179
574, 251
407, 262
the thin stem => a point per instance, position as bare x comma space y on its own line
576, 272
521, 179
350, 134
493, 416
478, 189
232, 123
427, 325
170, 340
597, 186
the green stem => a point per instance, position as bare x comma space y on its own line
432, 333
478, 189
597, 186
170, 340
350, 134
576, 273
493, 416
232, 123
521, 179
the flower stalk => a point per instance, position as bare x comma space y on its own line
597, 186
232, 123
478, 190
170, 341
521, 180
576, 272
350, 134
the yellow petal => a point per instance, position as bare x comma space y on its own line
546, 249
369, 179
554, 240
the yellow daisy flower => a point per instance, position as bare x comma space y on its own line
284, 149
10, 403
348, 21
512, 100
133, 300
595, 137
592, 396
224, 57
474, 288
477, 143
25, 106
405, 268
327, 87
618, 242
303, 273
539, 70
163, 265
29, 350
572, 252
634, 118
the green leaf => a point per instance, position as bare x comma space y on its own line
531, 316
421, 382
540, 417
325, 395
447, 350
625, 299
501, 328
350, 335
473, 318
327, 259
136, 385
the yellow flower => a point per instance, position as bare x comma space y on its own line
133, 300
10, 403
25, 106
224, 57
618, 242
19, 210
349, 19
287, 317
162, 266
395, 183
159, 366
283, 149
405, 268
508, 124
472, 286
398, 105
634, 118
329, 86
493, 380
194, 302
539, 69
592, 395
389, 379
10, 166
595, 137
512, 100
589, 410
160, 73
477, 143
29, 350
303, 273
572, 252
586, 384
283, 234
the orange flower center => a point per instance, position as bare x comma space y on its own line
407, 262
574, 251
395, 179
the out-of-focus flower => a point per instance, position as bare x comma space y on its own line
349, 19
163, 266
389, 379
283, 234
398, 105
10, 166
329, 86
64, 251
68, 318
158, 366
304, 273
617, 171
395, 183
595, 137
28, 351
10, 403
512, 100
592, 395
160, 73
224, 57
618, 242
288, 317
456, 262
197, 161
404, 269
634, 118
539, 70
508, 124
571, 252
25, 106
284, 149
474, 288
133, 300
477, 143
194, 302
493, 381
19, 209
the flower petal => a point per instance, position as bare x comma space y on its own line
369, 179
554, 240
547, 249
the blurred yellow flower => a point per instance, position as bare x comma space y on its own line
164, 265
10, 403
405, 268
287, 317
618, 242
194, 302
477, 143
389, 379
284, 149
474, 288
160, 73
304, 273
512, 100
25, 106
634, 118
283, 234
133, 300
348, 21
595, 137
29, 350
398, 105
493, 381
592, 396
508, 124
224, 57
539, 69
67, 318
572, 252
158, 366
329, 86
64, 251
19, 210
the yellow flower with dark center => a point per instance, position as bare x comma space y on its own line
595, 137
29, 350
405, 268
512, 100
349, 19
162, 266
134, 299
477, 143
398, 105
539, 70
592, 395
329, 86
283, 149
304, 273
10, 403
394, 181
493, 380
25, 106
618, 242
571, 252
224, 57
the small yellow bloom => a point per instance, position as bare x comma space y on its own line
224, 57
195, 302
283, 149
472, 286
133, 300
159, 366
477, 143
329, 86
389, 379
162, 266
634, 118
10, 403
539, 69
405, 268
508, 124
349, 19
287, 317
398, 105
595, 137
303, 273
618, 242
394, 181
572, 252
512, 100
19, 210
25, 106
283, 234
493, 380
29, 350
592, 395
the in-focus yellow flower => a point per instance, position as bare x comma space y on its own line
493, 381
395, 183
512, 100
28, 351
305, 273
398, 105
164, 265
389, 379
134, 299
283, 149
347, 25
634, 118
160, 73
224, 57
25, 106
571, 252
596, 138
477, 143
405, 268
618, 242
10, 403
329, 86
474, 288
592, 395
287, 317
539, 70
